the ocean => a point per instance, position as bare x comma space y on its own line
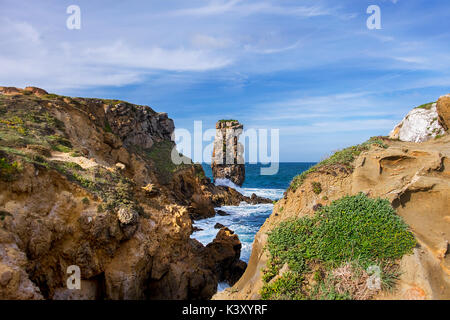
246, 219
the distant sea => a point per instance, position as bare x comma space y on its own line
246, 219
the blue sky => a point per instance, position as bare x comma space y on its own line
310, 68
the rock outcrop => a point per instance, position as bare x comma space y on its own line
89, 182
414, 177
228, 153
443, 110
420, 124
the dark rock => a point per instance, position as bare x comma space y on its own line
218, 226
222, 213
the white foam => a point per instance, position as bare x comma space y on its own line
273, 194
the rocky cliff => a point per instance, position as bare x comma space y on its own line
90, 182
413, 177
228, 153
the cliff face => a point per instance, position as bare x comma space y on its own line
414, 177
89, 182
227, 158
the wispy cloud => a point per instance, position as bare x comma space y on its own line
244, 8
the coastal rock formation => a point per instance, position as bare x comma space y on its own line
228, 153
90, 183
414, 177
443, 110
420, 124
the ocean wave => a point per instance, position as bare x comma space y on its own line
273, 194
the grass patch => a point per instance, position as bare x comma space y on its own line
426, 106
9, 169
160, 155
353, 229
344, 157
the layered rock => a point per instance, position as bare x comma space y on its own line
414, 177
420, 124
88, 182
228, 153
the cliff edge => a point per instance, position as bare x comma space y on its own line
415, 180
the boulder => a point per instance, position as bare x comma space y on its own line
443, 110
420, 125
223, 255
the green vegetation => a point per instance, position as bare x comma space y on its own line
8, 169
426, 106
228, 120
317, 187
343, 158
29, 124
161, 156
353, 230
107, 127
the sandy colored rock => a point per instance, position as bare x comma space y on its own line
414, 177
443, 110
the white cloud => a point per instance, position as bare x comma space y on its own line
209, 42
120, 54
26, 58
240, 7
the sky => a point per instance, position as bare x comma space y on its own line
310, 68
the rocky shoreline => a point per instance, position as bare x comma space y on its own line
89, 182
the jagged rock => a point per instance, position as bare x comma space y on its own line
218, 226
51, 219
419, 125
223, 253
443, 110
227, 158
138, 125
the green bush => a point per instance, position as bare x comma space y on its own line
353, 228
317, 187
287, 287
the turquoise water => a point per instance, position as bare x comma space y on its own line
246, 219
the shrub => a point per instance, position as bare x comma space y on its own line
287, 287
8, 170
353, 228
317, 187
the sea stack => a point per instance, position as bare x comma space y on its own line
228, 154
